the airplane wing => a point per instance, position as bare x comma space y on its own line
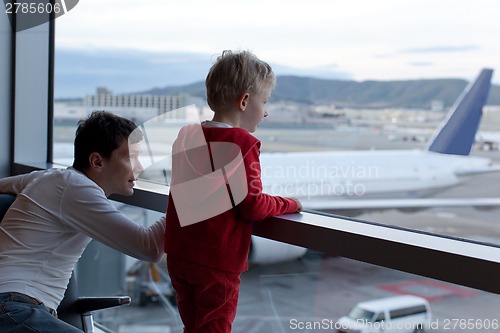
363, 205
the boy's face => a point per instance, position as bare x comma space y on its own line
255, 109
122, 169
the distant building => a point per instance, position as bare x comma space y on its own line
139, 108
437, 106
69, 111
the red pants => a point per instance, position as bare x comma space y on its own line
206, 298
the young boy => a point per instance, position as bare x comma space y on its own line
216, 194
58, 212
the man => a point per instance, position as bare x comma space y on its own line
58, 212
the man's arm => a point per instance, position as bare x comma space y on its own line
86, 209
16, 184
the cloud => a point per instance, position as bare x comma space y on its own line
442, 49
311, 35
421, 63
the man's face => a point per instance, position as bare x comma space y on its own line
122, 169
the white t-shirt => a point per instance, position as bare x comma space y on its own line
55, 216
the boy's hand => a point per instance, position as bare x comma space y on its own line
299, 205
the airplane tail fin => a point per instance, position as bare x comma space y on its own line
457, 132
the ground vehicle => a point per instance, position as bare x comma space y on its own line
405, 313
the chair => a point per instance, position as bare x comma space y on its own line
73, 309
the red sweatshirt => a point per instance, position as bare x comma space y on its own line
223, 241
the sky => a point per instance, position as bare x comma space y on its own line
359, 39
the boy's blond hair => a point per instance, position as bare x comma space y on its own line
235, 73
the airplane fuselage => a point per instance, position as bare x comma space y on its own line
361, 174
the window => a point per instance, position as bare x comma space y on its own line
361, 314
122, 62
407, 311
269, 284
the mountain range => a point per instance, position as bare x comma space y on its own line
79, 73
344, 93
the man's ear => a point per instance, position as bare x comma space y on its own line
243, 101
95, 161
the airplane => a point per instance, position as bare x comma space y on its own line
488, 141
352, 182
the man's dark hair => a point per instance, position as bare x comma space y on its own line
102, 132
